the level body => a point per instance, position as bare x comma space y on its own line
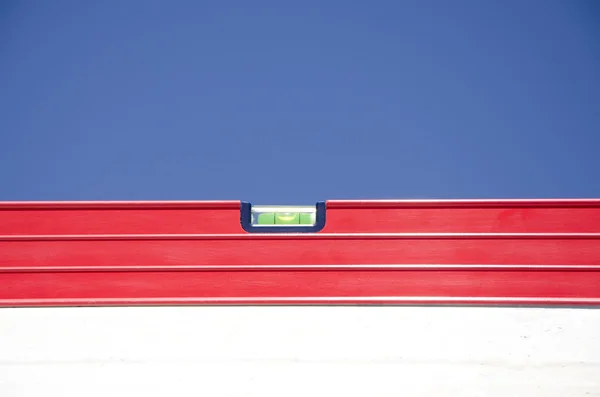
482, 252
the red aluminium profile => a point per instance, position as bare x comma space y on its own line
349, 216
463, 216
517, 252
119, 217
275, 286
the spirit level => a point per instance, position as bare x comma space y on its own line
491, 252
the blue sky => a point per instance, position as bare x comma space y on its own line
294, 102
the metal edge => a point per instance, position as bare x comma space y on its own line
246, 222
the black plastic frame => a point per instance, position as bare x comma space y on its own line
246, 221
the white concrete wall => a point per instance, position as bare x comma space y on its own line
299, 351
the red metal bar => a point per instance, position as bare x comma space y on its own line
463, 216
541, 252
177, 217
301, 250
498, 286
379, 216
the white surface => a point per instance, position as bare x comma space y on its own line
299, 351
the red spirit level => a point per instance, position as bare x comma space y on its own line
492, 252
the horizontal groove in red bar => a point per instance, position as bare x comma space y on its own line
422, 203
489, 287
332, 301
299, 251
275, 268
300, 236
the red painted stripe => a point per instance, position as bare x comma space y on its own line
302, 250
383, 216
477, 203
464, 217
335, 286
119, 218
